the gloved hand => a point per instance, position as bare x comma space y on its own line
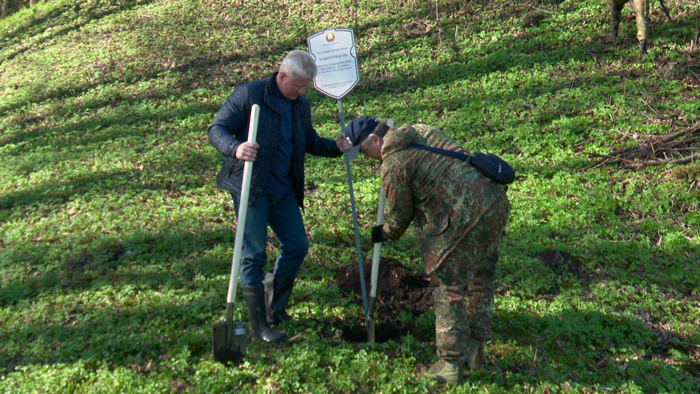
377, 234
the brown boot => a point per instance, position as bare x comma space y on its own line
447, 372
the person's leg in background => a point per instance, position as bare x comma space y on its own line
641, 10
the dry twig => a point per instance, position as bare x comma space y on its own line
653, 150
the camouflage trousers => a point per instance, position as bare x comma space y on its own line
641, 10
463, 287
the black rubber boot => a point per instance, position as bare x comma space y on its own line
278, 289
643, 47
255, 304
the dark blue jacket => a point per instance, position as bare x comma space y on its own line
230, 129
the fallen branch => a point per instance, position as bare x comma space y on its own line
539, 9
610, 157
659, 162
673, 136
648, 150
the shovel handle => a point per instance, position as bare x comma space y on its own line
375, 262
378, 246
243, 208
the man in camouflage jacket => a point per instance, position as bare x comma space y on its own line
459, 219
641, 9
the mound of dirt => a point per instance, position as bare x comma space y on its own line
398, 288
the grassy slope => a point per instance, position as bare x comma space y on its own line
115, 245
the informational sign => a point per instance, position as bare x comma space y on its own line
336, 59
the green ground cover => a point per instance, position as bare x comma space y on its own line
115, 244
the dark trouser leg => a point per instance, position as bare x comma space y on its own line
254, 254
451, 324
254, 257
288, 225
481, 297
480, 312
451, 321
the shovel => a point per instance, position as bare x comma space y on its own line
231, 337
375, 261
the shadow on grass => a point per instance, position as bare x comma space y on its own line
60, 192
124, 328
591, 349
115, 335
493, 57
169, 256
594, 348
38, 22
36, 137
190, 71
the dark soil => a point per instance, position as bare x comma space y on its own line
399, 289
560, 262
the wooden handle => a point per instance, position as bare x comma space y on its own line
243, 208
378, 246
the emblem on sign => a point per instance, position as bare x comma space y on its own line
336, 58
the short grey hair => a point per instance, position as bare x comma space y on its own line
299, 64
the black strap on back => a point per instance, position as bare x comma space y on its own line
440, 151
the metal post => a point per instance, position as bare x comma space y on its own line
354, 221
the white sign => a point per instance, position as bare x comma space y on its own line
336, 59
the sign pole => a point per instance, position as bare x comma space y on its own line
336, 58
361, 268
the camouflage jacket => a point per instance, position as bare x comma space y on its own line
443, 196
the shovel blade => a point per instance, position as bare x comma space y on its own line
229, 342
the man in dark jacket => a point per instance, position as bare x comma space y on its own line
459, 218
284, 136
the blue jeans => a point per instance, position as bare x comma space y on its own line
283, 215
